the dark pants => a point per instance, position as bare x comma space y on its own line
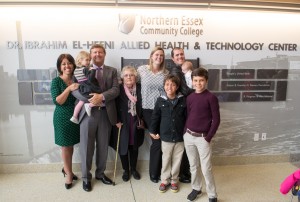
130, 159
155, 162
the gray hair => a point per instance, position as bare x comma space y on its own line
132, 69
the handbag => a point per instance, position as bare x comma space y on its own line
140, 124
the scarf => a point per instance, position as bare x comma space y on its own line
131, 94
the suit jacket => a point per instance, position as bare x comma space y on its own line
110, 92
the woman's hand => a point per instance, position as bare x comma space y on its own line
119, 125
61, 99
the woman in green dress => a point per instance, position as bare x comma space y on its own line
66, 133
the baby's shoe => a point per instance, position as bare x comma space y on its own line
87, 109
74, 120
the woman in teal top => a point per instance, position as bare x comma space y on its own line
66, 133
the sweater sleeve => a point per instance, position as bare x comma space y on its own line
215, 111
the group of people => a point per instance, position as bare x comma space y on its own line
179, 113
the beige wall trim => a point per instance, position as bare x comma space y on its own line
144, 165
245, 160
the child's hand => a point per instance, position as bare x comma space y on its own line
155, 136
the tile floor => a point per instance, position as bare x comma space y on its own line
238, 183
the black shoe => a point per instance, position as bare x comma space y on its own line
104, 179
64, 173
87, 186
68, 186
213, 200
193, 195
125, 176
185, 179
154, 179
135, 174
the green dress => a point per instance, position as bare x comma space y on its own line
66, 132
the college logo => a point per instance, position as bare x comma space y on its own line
126, 23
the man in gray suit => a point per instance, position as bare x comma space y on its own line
97, 126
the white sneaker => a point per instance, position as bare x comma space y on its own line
87, 109
74, 120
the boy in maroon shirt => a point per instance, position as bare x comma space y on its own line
203, 120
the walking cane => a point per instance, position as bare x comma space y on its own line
117, 151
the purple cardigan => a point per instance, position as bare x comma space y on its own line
203, 115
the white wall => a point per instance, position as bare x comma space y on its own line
26, 131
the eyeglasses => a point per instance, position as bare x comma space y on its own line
128, 75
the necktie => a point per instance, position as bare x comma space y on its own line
100, 77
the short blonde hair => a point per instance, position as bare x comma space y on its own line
82, 55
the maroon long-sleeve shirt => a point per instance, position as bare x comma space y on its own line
203, 114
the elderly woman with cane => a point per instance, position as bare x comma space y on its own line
129, 109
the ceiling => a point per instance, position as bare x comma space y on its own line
275, 5
280, 5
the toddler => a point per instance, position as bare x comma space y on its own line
86, 77
186, 69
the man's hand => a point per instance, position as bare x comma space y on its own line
96, 99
